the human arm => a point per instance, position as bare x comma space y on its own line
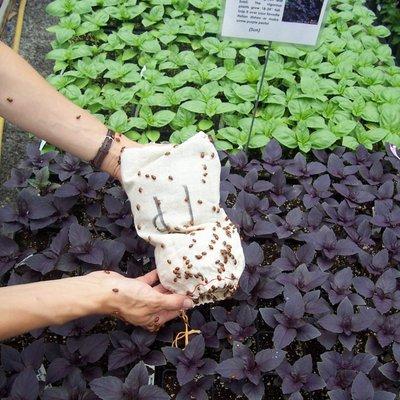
30, 102
37, 305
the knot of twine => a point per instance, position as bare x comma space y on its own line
185, 333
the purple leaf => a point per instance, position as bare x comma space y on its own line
108, 388
362, 388
283, 336
269, 359
254, 392
232, 368
25, 386
152, 393
78, 235
331, 323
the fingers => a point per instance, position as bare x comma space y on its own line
150, 278
161, 289
174, 302
158, 320
154, 325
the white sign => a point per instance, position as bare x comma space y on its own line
289, 21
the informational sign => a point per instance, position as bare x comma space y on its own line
288, 21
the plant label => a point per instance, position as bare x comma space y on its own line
288, 21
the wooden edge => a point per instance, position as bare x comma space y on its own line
5, 8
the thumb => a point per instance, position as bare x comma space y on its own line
150, 278
175, 302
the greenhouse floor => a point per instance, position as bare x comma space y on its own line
35, 43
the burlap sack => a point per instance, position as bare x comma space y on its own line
174, 194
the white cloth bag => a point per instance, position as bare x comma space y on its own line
174, 192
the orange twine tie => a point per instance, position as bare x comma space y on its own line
185, 333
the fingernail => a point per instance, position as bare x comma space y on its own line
187, 303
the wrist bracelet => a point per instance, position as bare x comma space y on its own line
103, 150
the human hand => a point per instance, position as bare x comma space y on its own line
139, 301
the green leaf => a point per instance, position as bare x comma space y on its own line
223, 108
217, 73
309, 86
195, 106
303, 137
133, 135
138, 123
300, 109
322, 139
344, 127
205, 124
150, 46
80, 50
232, 135
315, 122
228, 53
131, 77
210, 90
244, 108
62, 34
251, 52
156, 13
393, 139
258, 141
58, 55
223, 145
288, 50
183, 134
245, 92
238, 74
370, 112
285, 136
153, 136
358, 106
162, 118
159, 99
118, 121
350, 142
212, 107
376, 134
55, 9
143, 139
390, 117
211, 44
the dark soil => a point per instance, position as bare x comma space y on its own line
170, 383
221, 392
264, 340
272, 388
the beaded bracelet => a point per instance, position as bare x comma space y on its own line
103, 150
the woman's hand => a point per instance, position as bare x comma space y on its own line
139, 301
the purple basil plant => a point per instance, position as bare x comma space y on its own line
248, 368
345, 323
190, 362
290, 320
340, 369
135, 386
299, 377
361, 389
